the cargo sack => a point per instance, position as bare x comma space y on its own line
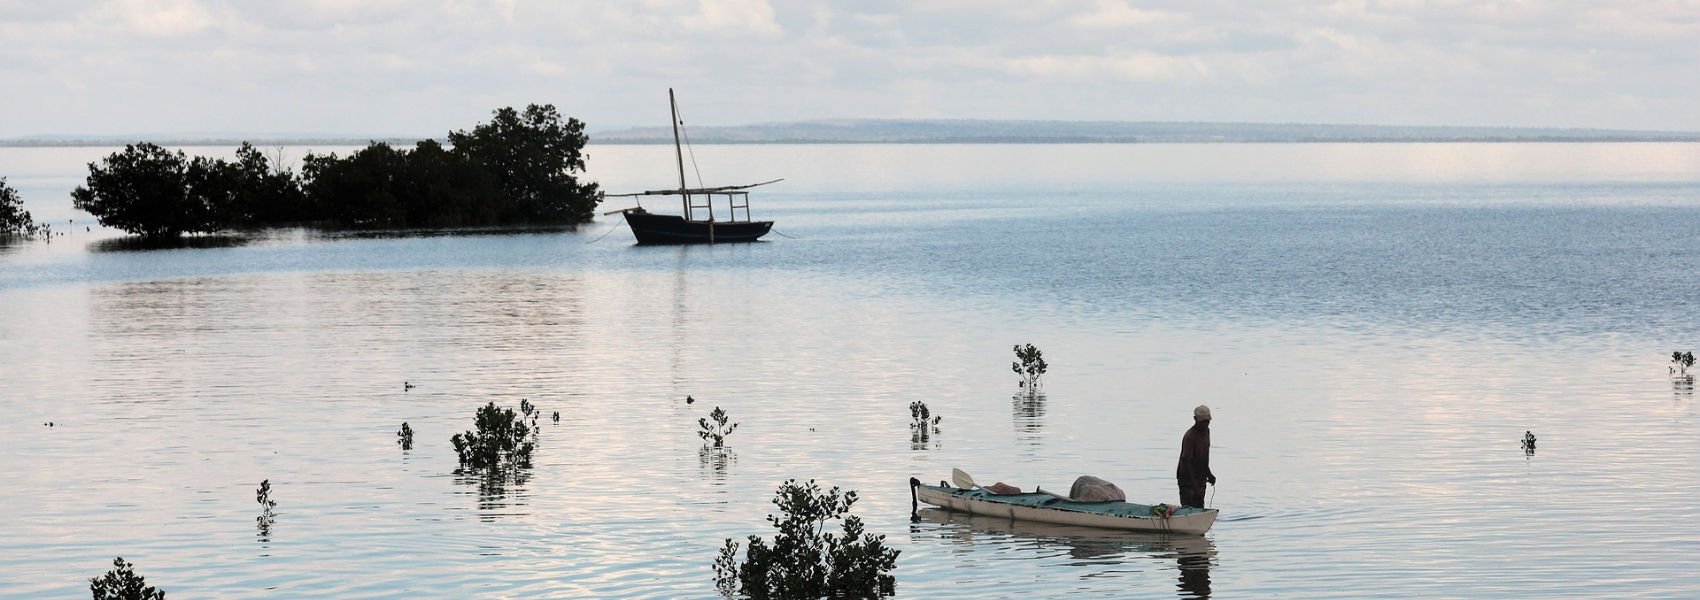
1092, 489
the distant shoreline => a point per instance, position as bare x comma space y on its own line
949, 131
989, 142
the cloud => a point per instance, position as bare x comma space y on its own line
155, 18
1114, 14
409, 67
733, 17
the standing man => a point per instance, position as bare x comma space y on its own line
1194, 468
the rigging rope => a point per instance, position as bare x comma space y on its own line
689, 149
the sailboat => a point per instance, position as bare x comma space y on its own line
699, 224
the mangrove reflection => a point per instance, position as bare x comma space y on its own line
146, 244
498, 489
714, 462
1028, 410
1193, 556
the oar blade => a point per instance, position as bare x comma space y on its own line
961, 479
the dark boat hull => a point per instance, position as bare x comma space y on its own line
650, 228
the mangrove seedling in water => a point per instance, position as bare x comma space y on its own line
924, 423
405, 436
1030, 364
267, 517
716, 431
804, 561
1528, 444
556, 417
122, 583
1680, 362
501, 434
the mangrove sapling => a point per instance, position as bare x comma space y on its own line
122, 583
267, 517
716, 432
1030, 364
501, 435
804, 561
924, 423
1680, 362
405, 436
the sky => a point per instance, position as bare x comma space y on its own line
392, 67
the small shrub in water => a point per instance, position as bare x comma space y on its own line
1680, 362
716, 431
924, 423
501, 434
264, 496
122, 583
923, 417
405, 436
1030, 364
804, 561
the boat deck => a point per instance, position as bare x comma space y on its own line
1049, 500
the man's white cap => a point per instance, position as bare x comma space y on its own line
1201, 413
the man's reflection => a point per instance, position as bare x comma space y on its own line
1195, 574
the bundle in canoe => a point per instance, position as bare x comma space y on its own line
1046, 507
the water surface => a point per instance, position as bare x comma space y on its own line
1374, 326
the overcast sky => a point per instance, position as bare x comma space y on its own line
422, 68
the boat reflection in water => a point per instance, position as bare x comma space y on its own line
1086, 546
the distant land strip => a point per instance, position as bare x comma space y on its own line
174, 141
954, 131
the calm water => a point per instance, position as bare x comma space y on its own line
1374, 327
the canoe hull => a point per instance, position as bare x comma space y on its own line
1031, 507
651, 228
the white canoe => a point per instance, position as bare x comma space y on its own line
1045, 507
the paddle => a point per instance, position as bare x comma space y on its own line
961, 479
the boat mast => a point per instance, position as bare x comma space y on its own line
684, 195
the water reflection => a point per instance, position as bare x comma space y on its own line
1028, 409
498, 489
142, 244
1193, 555
335, 234
714, 462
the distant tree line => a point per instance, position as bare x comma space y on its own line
520, 168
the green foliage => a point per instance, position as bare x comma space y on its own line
264, 193
518, 168
264, 496
155, 193
534, 156
715, 428
13, 218
923, 423
1680, 362
502, 438
804, 560
122, 583
1030, 364
381, 186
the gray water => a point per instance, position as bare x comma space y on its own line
1374, 327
